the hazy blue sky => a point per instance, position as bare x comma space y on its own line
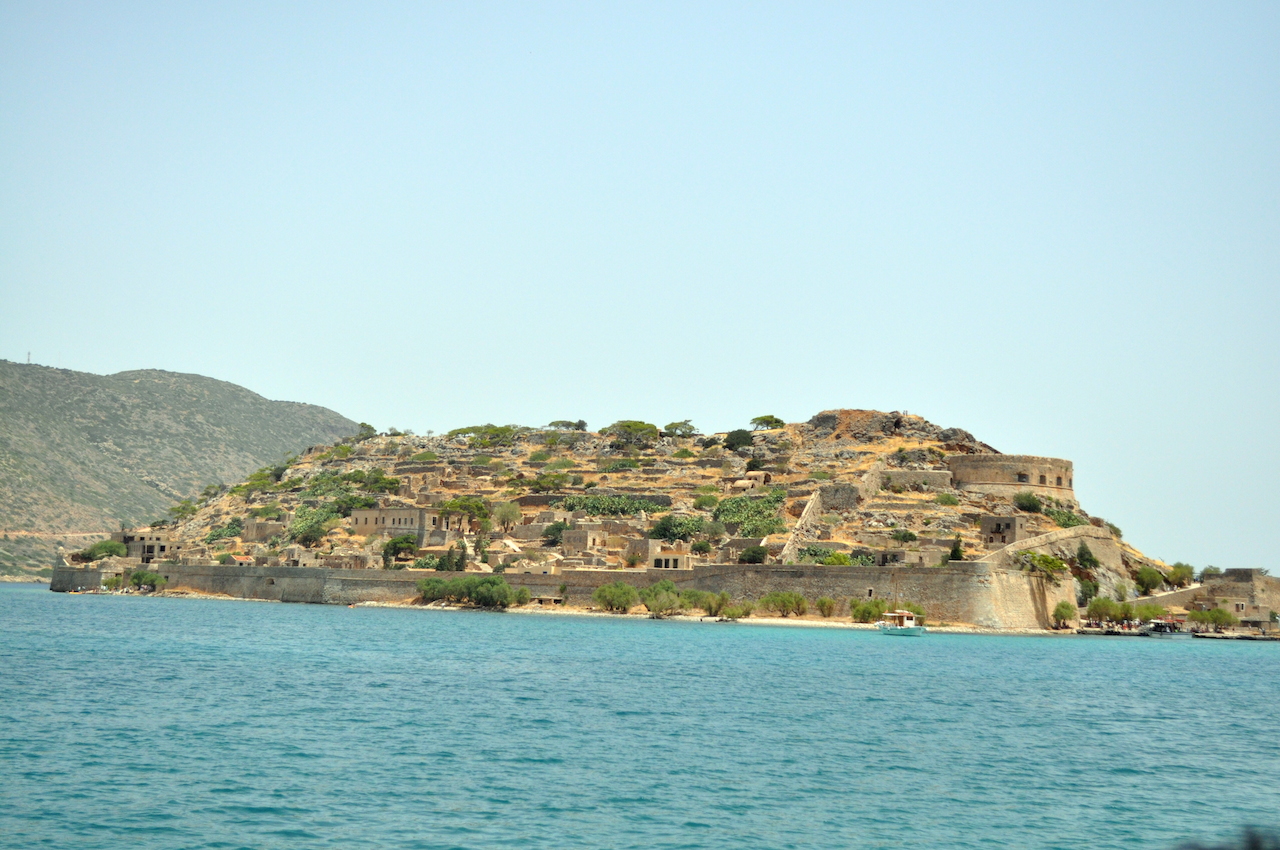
1053, 225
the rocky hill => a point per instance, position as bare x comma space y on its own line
848, 486
83, 453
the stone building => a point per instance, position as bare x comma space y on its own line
660, 555
1000, 531
1008, 475
147, 544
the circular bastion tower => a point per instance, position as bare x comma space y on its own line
1008, 475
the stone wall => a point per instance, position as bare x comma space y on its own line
1000, 475
963, 592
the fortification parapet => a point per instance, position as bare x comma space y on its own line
1007, 475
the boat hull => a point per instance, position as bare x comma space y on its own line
902, 631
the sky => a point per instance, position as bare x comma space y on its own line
1054, 225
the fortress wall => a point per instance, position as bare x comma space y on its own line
965, 591
998, 475
938, 479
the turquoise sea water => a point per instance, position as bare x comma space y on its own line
173, 723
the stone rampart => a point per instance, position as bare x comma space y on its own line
1008, 475
967, 592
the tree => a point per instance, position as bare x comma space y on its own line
553, 534
183, 511
366, 432
826, 605
766, 423
1085, 559
957, 551
737, 439
1148, 579
1208, 573
1101, 609
903, 535
661, 598
753, 555
702, 547
632, 433
1180, 574
784, 603
1063, 613
673, 527
683, 428
404, 544
506, 514
619, 596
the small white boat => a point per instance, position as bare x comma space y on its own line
900, 623
1167, 629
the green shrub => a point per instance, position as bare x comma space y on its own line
1085, 559
594, 505
309, 524
708, 489
784, 603
425, 457
484, 591
946, 499
820, 475
1063, 612
561, 463
826, 605
1088, 590
113, 583
472, 506
1102, 609
1180, 574
1148, 579
146, 579
553, 535
1209, 572
837, 559
867, 610
489, 436
813, 554
673, 527
1145, 612
903, 535
737, 439
705, 503
662, 598
349, 502
737, 612
1115, 530
1219, 618
1065, 519
183, 511
1043, 565
756, 515
753, 555
1028, 501
621, 465
232, 529
540, 456
767, 423
103, 549
683, 454
618, 596
702, 547
957, 550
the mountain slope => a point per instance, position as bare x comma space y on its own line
81, 452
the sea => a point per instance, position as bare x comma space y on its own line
135, 722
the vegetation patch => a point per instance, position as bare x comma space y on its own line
594, 505
758, 516
482, 591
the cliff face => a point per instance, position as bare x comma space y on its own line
83, 452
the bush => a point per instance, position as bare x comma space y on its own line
1065, 519
1088, 590
662, 598
946, 499
753, 555
113, 583
820, 475
540, 456
957, 550
1147, 611
1148, 579
673, 527
702, 547
1063, 612
489, 436
738, 439
424, 457
1102, 609
104, 548
183, 511
1028, 501
488, 591
142, 579
1180, 574
594, 505
826, 605
1216, 617
232, 529
705, 503
561, 463
837, 559
683, 454
903, 535
767, 423
618, 596
737, 612
1044, 565
784, 603
309, 524
1115, 530
867, 610
1085, 559
915, 609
